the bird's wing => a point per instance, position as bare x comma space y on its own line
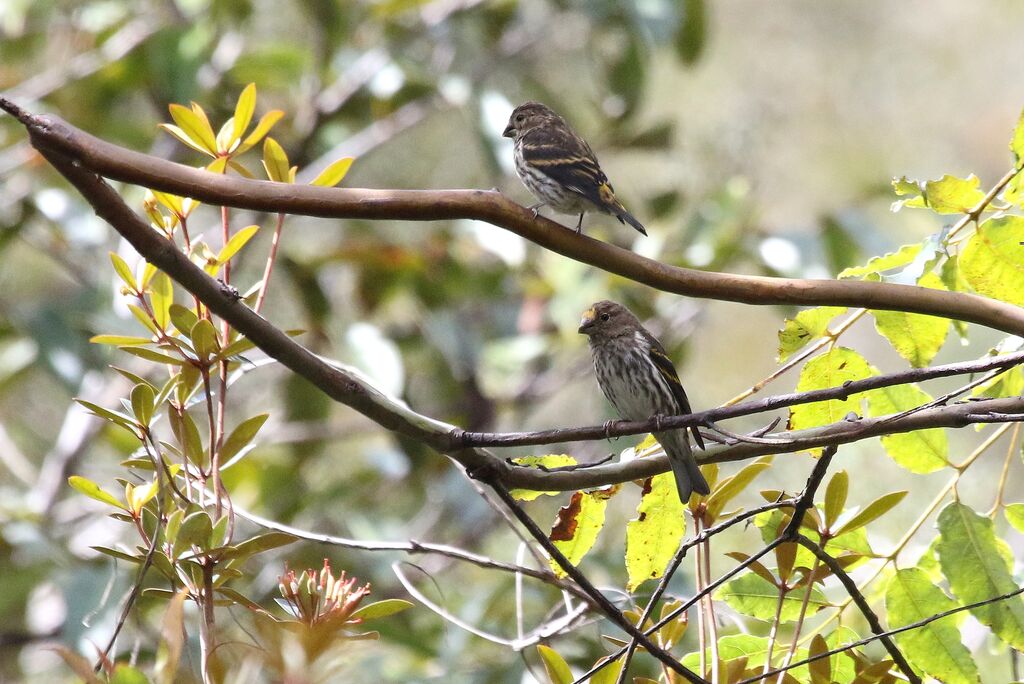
568, 160
668, 371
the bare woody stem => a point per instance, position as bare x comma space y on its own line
50, 133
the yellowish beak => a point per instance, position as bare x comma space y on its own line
589, 316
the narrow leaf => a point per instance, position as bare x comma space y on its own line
93, 491
872, 511
835, 497
334, 173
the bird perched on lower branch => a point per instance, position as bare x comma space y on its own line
559, 168
639, 380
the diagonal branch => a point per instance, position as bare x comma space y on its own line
53, 134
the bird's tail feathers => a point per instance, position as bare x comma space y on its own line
687, 473
625, 217
612, 205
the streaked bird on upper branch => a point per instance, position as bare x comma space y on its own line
558, 167
641, 382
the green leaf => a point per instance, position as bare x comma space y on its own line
161, 296
334, 173
1017, 142
195, 126
120, 340
653, 537
239, 346
116, 417
241, 436
555, 666
183, 318
973, 562
835, 497
545, 461
948, 195
244, 109
831, 369
275, 161
902, 257
752, 595
236, 243
153, 355
381, 609
124, 271
733, 646
204, 338
920, 451
266, 122
195, 529
259, 544
726, 490
1009, 383
872, 511
142, 399
144, 318
993, 260
806, 326
821, 669
1015, 516
126, 674
187, 433
915, 337
92, 490
575, 530
935, 648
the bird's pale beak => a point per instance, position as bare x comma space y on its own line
589, 316
510, 131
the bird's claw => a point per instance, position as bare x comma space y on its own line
608, 425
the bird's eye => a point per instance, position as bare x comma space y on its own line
605, 317
520, 118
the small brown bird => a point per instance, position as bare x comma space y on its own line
559, 168
639, 380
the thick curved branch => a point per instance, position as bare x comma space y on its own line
53, 134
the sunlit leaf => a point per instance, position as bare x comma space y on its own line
576, 528
554, 665
1017, 142
902, 257
204, 338
835, 497
161, 296
275, 161
120, 340
948, 195
260, 543
831, 369
936, 647
172, 638
729, 488
972, 560
152, 355
1015, 516
266, 122
333, 174
993, 260
545, 461
195, 126
872, 511
805, 327
244, 109
124, 271
920, 451
142, 399
241, 436
235, 243
92, 490
915, 337
381, 609
183, 318
183, 137
752, 595
653, 536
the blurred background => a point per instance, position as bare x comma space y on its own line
747, 138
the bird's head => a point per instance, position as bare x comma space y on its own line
528, 116
606, 320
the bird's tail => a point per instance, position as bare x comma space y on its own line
613, 206
689, 479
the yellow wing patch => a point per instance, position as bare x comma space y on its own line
607, 194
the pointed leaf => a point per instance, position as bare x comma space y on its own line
183, 318
124, 271
161, 296
93, 491
575, 530
120, 340
545, 461
196, 127
835, 497
381, 609
236, 243
244, 109
1015, 516
143, 398
935, 648
805, 327
752, 595
151, 355
920, 451
275, 161
241, 436
144, 318
915, 337
653, 536
334, 173
557, 669
993, 261
266, 122
902, 257
183, 137
972, 559
872, 511
831, 369
204, 338
172, 633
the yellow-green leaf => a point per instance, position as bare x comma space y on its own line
334, 173
915, 337
204, 338
142, 399
275, 161
235, 243
831, 369
120, 340
196, 127
575, 530
172, 633
835, 497
92, 490
161, 296
949, 195
546, 461
1017, 142
244, 109
902, 257
920, 451
935, 648
555, 666
752, 595
972, 560
123, 270
1015, 516
871, 512
654, 535
183, 137
381, 609
266, 122
993, 259
806, 326
241, 436
153, 355
726, 490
